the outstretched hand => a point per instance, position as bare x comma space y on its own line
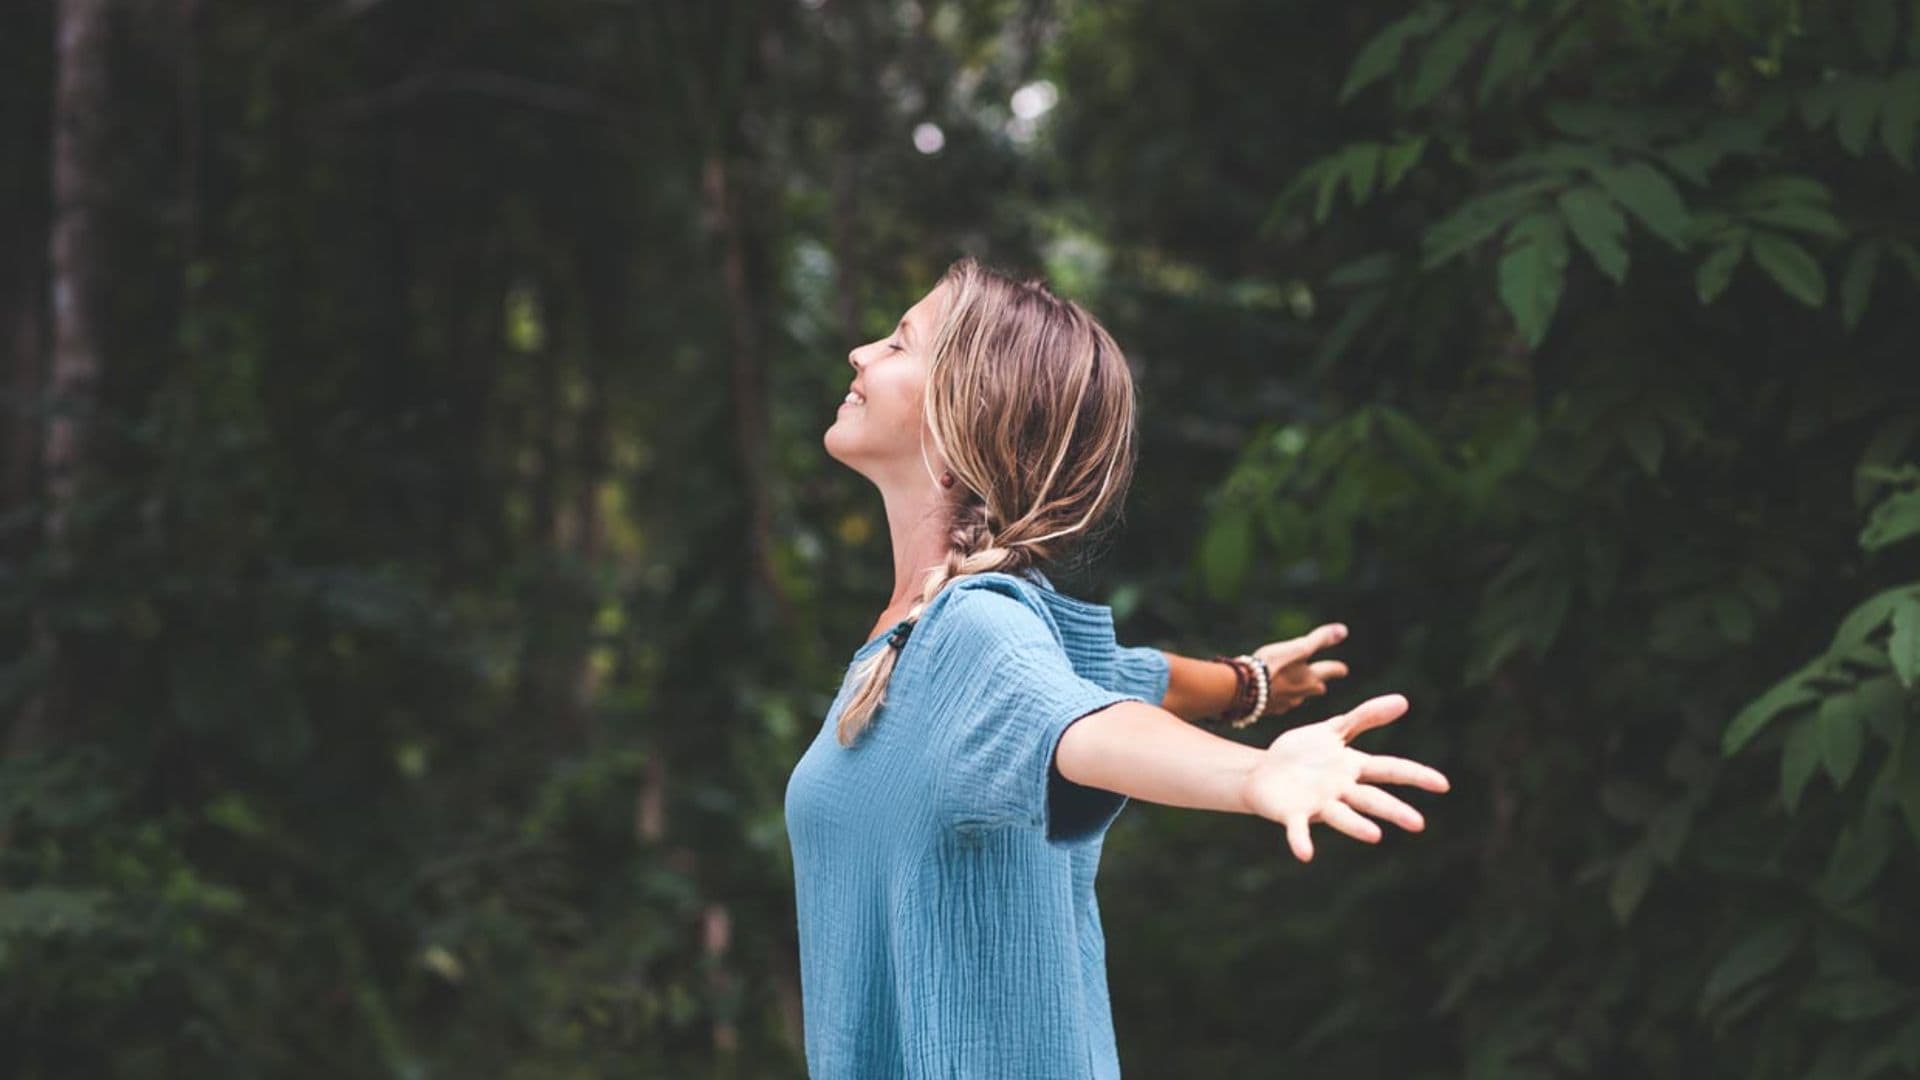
1310, 774
1295, 674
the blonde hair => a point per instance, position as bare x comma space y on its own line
1031, 403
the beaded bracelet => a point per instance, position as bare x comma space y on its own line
1261, 682
1249, 700
1243, 691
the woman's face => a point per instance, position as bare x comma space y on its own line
877, 430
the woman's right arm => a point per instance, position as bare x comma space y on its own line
1308, 774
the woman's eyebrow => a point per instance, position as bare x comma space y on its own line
905, 327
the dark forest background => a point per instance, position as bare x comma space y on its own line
419, 568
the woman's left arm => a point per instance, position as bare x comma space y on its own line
1307, 774
1198, 689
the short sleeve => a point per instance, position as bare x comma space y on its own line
1141, 670
1017, 695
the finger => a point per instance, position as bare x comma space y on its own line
1371, 713
1321, 637
1298, 839
1327, 669
1345, 818
1387, 769
1371, 800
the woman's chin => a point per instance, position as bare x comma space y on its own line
835, 439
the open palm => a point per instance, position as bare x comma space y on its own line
1310, 774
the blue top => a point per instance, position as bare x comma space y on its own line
943, 868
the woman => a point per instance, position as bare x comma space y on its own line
946, 822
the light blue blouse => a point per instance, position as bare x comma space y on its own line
943, 868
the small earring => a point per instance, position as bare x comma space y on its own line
946, 479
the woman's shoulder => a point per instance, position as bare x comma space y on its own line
991, 605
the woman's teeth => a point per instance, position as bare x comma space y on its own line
853, 398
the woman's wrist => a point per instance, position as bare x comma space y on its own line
1253, 684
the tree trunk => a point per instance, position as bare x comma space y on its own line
79, 106
727, 203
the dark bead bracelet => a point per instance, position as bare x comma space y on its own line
1244, 691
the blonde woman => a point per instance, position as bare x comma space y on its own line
946, 822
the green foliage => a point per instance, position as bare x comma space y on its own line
1591, 385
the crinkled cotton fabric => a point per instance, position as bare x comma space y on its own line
943, 868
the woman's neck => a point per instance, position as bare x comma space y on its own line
917, 522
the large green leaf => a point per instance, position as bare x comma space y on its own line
1716, 271
1478, 219
1382, 53
1512, 47
1799, 757
1757, 955
1841, 734
1533, 271
1448, 54
1651, 197
1786, 694
1399, 158
1629, 885
1860, 853
1858, 104
1791, 266
1600, 228
1805, 217
1895, 519
1856, 285
1903, 645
